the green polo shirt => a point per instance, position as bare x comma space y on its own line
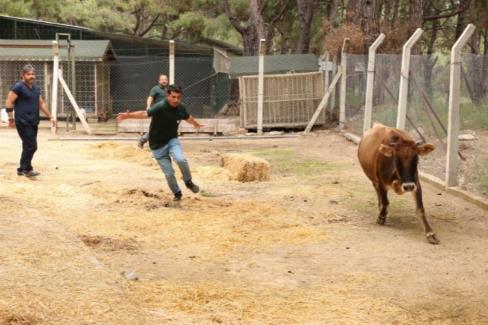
165, 120
158, 93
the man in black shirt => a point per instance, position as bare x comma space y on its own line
25, 98
163, 137
156, 95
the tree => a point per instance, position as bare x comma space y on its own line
305, 16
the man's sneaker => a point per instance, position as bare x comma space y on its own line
20, 172
177, 196
31, 173
192, 186
141, 142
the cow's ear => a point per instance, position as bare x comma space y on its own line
386, 150
424, 149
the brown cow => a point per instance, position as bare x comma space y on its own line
389, 157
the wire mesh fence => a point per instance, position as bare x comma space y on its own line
473, 110
106, 88
428, 108
356, 72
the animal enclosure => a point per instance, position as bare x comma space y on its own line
289, 99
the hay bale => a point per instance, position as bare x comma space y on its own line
245, 168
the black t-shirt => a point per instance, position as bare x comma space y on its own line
27, 103
164, 123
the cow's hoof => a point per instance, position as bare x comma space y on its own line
381, 220
431, 238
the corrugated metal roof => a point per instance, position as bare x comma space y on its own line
15, 50
273, 64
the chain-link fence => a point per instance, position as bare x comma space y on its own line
104, 89
428, 108
473, 109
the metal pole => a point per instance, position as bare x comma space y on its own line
342, 99
54, 93
453, 119
262, 49
370, 82
171, 62
403, 93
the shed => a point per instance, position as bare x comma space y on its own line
92, 89
293, 88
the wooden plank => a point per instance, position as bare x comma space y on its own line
324, 101
226, 125
75, 105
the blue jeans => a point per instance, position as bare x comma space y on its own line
163, 156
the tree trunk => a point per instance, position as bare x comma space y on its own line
369, 22
305, 16
352, 14
254, 29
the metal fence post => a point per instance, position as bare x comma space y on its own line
370, 82
404, 74
342, 100
171, 62
54, 93
454, 93
262, 49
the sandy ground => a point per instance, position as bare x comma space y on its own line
302, 248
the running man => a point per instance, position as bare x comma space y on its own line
25, 99
156, 95
163, 137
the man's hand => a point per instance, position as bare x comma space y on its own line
197, 125
53, 122
122, 116
11, 123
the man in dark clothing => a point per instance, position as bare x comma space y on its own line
163, 137
25, 98
156, 95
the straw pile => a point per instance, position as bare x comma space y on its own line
245, 168
50, 277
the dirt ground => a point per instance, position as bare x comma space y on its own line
96, 239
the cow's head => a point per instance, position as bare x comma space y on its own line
405, 156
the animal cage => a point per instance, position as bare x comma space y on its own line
290, 100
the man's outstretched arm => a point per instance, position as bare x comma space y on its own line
194, 122
132, 115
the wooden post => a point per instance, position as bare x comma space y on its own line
368, 110
334, 92
54, 92
73, 102
323, 102
454, 93
171, 62
262, 49
342, 101
326, 72
404, 74
95, 79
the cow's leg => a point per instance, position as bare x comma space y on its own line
431, 238
382, 203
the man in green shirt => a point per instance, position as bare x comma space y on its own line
163, 137
156, 95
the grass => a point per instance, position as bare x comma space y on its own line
286, 161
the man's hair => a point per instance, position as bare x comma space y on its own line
28, 68
174, 88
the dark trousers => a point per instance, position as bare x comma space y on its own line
28, 134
